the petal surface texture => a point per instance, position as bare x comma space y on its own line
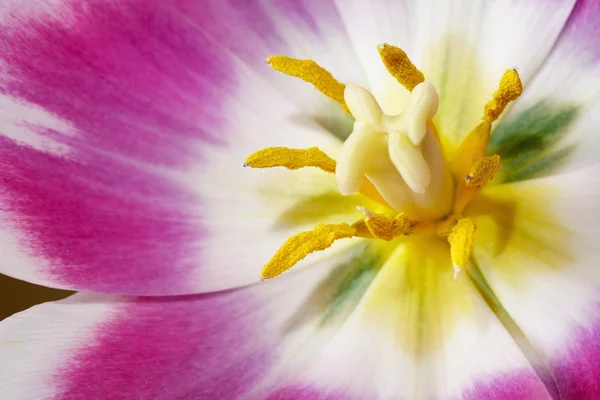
125, 127
339, 333
538, 250
539, 256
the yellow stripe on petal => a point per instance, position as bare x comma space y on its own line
530, 223
398, 64
311, 72
409, 298
290, 159
509, 89
299, 246
461, 244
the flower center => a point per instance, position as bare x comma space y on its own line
396, 160
399, 154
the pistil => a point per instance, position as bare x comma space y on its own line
398, 154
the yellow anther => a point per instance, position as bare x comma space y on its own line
483, 170
299, 246
461, 244
290, 159
399, 66
311, 72
474, 145
386, 227
509, 89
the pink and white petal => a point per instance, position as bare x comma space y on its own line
463, 47
308, 30
218, 345
125, 125
568, 85
324, 333
539, 253
520, 385
417, 334
574, 60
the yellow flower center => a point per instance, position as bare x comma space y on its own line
396, 160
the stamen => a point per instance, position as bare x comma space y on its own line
386, 227
509, 89
398, 64
461, 244
469, 156
290, 159
311, 72
474, 145
483, 170
299, 246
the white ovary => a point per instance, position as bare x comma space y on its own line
398, 154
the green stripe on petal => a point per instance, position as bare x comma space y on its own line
527, 143
349, 281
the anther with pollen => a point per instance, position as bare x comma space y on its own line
311, 72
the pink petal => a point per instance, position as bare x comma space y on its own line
145, 98
210, 346
577, 368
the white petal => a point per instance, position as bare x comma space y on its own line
564, 98
538, 249
463, 47
417, 333
206, 346
370, 23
